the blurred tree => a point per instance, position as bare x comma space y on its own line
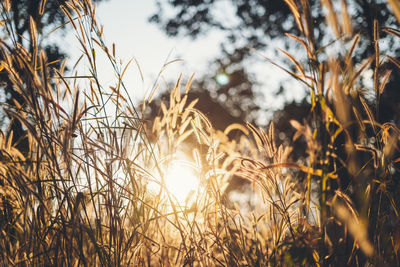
15, 14
225, 95
256, 23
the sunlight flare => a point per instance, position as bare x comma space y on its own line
181, 181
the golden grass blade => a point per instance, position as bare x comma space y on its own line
183, 137
295, 10
75, 112
294, 75
332, 18
369, 113
295, 62
371, 150
359, 119
396, 8
7, 5
126, 68
68, 14
377, 60
188, 84
394, 61
236, 126
183, 126
309, 33
347, 22
363, 67
384, 82
42, 7
392, 31
196, 131
153, 91
353, 46
33, 34
257, 136
300, 41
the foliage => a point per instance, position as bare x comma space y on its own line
84, 192
262, 25
259, 21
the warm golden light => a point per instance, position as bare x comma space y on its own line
181, 181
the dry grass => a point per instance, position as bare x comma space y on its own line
82, 196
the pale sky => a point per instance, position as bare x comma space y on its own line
126, 24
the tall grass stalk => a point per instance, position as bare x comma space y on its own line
84, 192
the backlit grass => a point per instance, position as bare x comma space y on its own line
101, 184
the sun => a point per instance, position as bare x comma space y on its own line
181, 181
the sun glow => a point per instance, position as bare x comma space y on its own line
181, 181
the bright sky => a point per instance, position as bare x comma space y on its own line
126, 24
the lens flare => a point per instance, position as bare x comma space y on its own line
222, 79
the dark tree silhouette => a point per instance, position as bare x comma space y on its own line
258, 22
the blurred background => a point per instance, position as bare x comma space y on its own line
220, 65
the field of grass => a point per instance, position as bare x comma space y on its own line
103, 185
